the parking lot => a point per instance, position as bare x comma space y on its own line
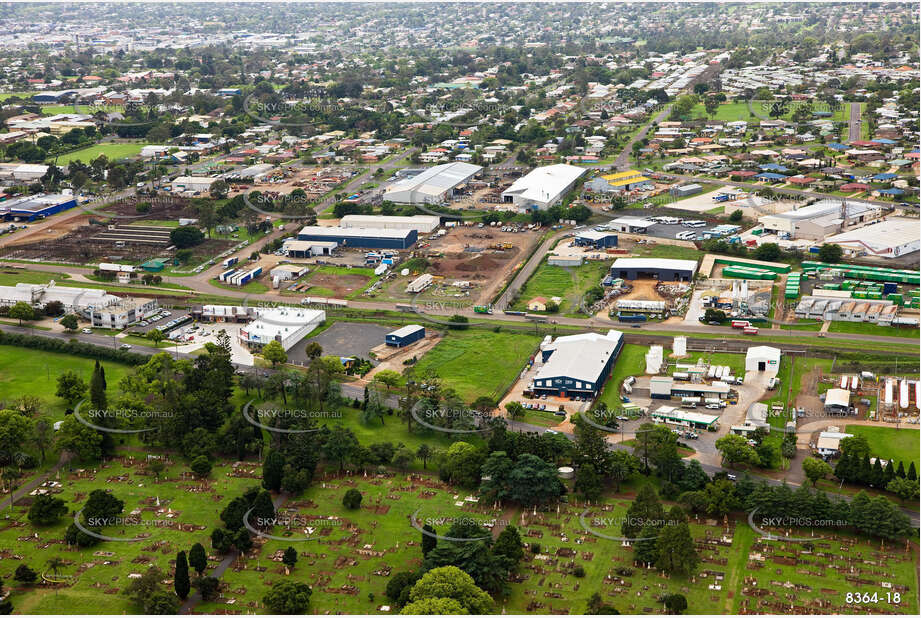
343, 339
143, 329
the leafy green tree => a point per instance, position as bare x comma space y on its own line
198, 559
207, 587
274, 353
815, 469
25, 575
47, 510
424, 452
905, 489
403, 459
450, 582
735, 216
735, 449
830, 253
15, 431
181, 583
22, 311
287, 597
461, 465
200, 466
399, 585
676, 552
340, 444
645, 509
75, 437
509, 545
71, 387
98, 388
675, 603
289, 558
434, 607
588, 483
429, 541
352, 499
273, 470
69, 322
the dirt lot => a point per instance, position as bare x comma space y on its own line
643, 289
315, 181
452, 257
81, 246
341, 285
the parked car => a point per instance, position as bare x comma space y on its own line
87, 331
124, 346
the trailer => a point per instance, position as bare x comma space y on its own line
230, 262
740, 323
750, 330
843, 382
482, 309
535, 318
631, 317
406, 308
507, 312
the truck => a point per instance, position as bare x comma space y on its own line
407, 308
535, 318
750, 330
482, 309
631, 317
740, 323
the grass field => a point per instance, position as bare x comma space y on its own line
253, 287
739, 111
479, 363
570, 284
24, 371
889, 442
867, 328
631, 362
114, 152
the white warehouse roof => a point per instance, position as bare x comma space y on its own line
431, 184
884, 238
423, 224
581, 357
545, 184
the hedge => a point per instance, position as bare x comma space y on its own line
77, 348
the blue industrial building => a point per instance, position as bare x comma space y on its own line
596, 239
405, 336
577, 365
361, 237
34, 207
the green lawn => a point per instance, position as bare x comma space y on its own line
889, 442
24, 371
113, 151
479, 363
666, 251
631, 362
868, 328
570, 284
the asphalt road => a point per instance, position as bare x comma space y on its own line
853, 123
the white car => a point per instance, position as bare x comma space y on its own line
87, 331
125, 346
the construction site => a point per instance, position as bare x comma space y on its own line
469, 262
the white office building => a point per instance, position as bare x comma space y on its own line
431, 186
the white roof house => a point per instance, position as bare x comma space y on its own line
432, 185
829, 442
543, 187
193, 183
837, 398
762, 358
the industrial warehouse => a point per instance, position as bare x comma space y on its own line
543, 187
423, 224
286, 325
360, 237
890, 238
654, 268
431, 186
818, 221
34, 207
576, 365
